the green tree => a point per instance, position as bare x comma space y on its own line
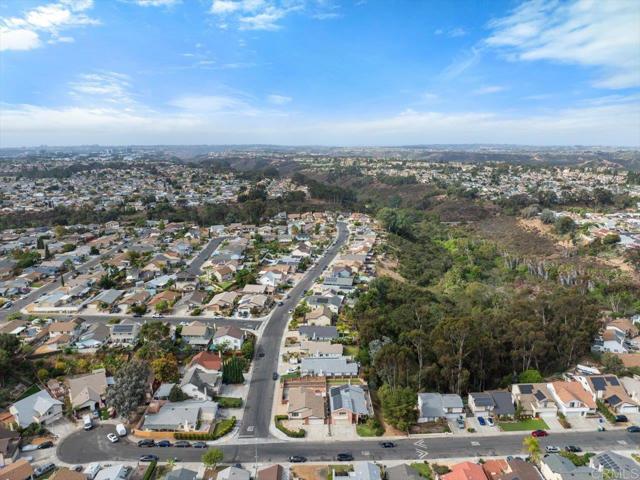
398, 406
530, 375
162, 306
212, 457
232, 371
177, 395
165, 369
612, 363
128, 391
564, 225
532, 446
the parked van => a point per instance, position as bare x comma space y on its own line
92, 470
88, 424
121, 430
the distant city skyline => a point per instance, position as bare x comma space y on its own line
319, 72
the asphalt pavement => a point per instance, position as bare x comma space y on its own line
257, 412
93, 446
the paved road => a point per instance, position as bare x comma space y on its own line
251, 324
203, 255
33, 295
92, 446
257, 412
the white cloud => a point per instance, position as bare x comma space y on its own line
102, 87
452, 32
231, 119
489, 89
24, 33
593, 33
157, 3
278, 99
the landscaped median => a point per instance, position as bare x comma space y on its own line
300, 433
524, 425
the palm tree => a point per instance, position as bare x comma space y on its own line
171, 463
532, 446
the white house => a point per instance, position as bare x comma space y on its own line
229, 335
37, 408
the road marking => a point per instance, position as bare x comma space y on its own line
475, 444
365, 453
421, 453
622, 442
250, 428
420, 443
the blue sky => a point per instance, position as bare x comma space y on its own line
333, 72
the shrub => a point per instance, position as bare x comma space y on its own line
604, 410
222, 428
148, 473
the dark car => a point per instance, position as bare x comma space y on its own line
261, 354
199, 444
43, 445
146, 443
297, 459
633, 429
387, 445
621, 418
137, 315
148, 458
344, 457
163, 443
539, 433
115, 310
572, 449
275, 375
182, 444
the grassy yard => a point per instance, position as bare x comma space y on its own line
223, 425
229, 402
29, 391
365, 431
350, 350
423, 469
523, 425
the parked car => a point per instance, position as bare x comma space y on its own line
199, 445
460, 422
297, 459
621, 418
275, 375
344, 457
182, 444
490, 421
157, 315
121, 430
147, 442
148, 458
551, 449
387, 445
163, 443
47, 444
481, 421
113, 438
41, 470
539, 433
572, 449
633, 429
260, 354
29, 448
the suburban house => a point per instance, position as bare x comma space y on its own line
37, 408
349, 404
608, 389
96, 335
622, 467
228, 335
233, 473
71, 328
435, 406
328, 367
480, 403
200, 384
534, 399
572, 398
168, 296
402, 472
207, 361
107, 298
322, 349
181, 474
307, 404
110, 472
252, 304
612, 339
364, 471
320, 316
632, 386
465, 471
332, 302
494, 402
223, 273
311, 332
223, 303
9, 445
197, 334
557, 467
181, 416
516, 469
18, 470
273, 472
125, 333
87, 391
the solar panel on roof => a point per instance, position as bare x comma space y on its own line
614, 400
613, 381
540, 396
526, 389
599, 383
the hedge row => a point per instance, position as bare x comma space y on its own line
289, 433
221, 429
148, 473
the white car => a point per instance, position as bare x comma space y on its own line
156, 315
490, 421
551, 449
113, 438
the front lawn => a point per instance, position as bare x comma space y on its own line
423, 469
523, 425
365, 430
228, 402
